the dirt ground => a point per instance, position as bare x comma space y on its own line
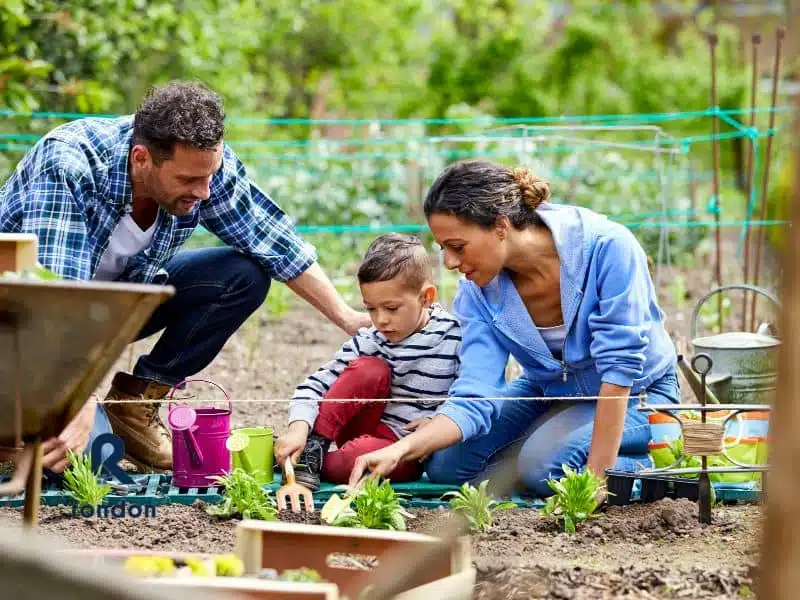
650, 551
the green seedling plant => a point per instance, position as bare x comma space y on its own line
81, 483
477, 505
575, 497
303, 574
243, 496
371, 506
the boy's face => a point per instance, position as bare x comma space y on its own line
396, 310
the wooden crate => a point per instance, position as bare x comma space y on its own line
18, 251
243, 588
233, 588
280, 546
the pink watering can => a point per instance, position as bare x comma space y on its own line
198, 440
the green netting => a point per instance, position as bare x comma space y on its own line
346, 180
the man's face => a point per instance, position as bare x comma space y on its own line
178, 183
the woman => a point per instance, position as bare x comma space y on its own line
568, 294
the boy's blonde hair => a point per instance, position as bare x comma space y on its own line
396, 255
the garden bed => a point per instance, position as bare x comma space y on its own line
639, 551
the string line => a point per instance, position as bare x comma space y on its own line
181, 400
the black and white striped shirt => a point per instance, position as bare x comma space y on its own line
424, 365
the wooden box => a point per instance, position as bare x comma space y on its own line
18, 251
280, 546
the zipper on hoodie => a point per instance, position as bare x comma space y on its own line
564, 345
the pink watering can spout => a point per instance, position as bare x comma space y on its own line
183, 418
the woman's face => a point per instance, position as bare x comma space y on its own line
476, 252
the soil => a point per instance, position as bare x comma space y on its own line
649, 551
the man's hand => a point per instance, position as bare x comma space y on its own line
74, 437
292, 443
356, 321
315, 288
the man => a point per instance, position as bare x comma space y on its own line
114, 200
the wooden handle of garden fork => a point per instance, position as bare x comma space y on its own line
288, 468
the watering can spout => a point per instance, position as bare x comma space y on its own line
694, 381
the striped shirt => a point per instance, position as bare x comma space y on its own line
72, 190
423, 366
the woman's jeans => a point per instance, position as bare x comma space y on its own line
547, 435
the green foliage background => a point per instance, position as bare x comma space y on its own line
372, 59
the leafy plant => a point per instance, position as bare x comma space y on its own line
243, 495
373, 506
709, 313
477, 505
82, 484
575, 498
677, 290
303, 574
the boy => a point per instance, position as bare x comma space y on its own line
410, 352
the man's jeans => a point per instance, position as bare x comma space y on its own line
547, 435
216, 290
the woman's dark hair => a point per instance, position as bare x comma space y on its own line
480, 191
179, 113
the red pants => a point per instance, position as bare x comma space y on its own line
356, 427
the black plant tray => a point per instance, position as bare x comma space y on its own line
655, 486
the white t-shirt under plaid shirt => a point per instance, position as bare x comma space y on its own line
424, 365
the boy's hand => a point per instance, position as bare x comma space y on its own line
292, 443
418, 424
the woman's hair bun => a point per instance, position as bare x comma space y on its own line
534, 190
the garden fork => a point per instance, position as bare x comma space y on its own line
294, 491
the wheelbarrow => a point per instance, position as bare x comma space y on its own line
58, 339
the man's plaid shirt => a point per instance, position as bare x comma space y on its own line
72, 189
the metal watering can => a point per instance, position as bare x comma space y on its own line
744, 367
198, 440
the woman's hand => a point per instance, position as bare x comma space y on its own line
378, 463
292, 443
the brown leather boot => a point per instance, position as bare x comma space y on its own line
148, 443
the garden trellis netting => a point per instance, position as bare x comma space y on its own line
346, 180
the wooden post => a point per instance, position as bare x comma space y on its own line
779, 571
33, 488
18, 251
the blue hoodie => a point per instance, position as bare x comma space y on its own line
615, 328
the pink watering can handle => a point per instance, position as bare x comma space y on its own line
214, 383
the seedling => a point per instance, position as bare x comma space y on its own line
477, 505
575, 498
303, 574
243, 496
82, 484
373, 506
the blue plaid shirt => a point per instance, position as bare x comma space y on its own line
72, 189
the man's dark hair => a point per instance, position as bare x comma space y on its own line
179, 113
393, 255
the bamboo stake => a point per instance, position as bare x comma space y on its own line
749, 181
780, 544
712, 39
765, 180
